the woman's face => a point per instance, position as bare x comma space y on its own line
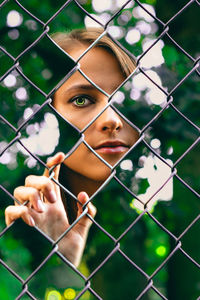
79, 102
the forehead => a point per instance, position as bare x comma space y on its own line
100, 66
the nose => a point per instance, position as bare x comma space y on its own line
109, 121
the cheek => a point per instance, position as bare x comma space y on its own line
79, 118
85, 163
131, 134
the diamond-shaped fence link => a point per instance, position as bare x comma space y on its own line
16, 133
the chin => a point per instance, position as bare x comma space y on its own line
101, 175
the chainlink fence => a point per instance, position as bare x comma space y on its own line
169, 105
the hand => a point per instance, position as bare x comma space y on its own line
49, 214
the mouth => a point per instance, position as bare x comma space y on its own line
112, 147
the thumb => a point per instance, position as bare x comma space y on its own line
57, 159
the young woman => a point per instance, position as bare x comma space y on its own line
82, 172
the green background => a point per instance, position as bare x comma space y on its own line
23, 248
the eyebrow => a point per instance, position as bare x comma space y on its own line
86, 87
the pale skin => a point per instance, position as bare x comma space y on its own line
110, 136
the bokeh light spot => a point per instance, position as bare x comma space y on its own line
100, 6
54, 295
126, 165
133, 36
69, 294
14, 19
21, 94
155, 143
161, 251
13, 34
10, 80
91, 23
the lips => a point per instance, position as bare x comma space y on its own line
112, 147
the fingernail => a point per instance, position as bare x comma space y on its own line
83, 196
49, 158
40, 205
31, 221
52, 196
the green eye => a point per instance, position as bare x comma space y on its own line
81, 101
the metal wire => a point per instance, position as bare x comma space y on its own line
150, 285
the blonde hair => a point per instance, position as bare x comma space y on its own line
78, 37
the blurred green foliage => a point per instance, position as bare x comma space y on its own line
23, 248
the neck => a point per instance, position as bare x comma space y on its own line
78, 183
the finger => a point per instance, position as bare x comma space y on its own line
30, 194
52, 161
13, 213
84, 224
44, 185
83, 198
